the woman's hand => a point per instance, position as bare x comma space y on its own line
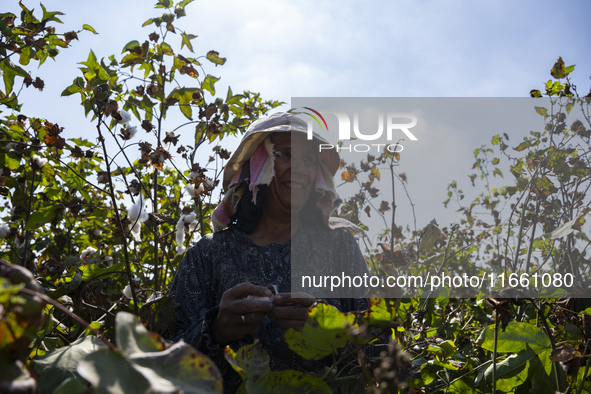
237, 315
291, 310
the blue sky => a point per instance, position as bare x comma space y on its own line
308, 48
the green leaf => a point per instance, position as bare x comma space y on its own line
106, 369
9, 72
431, 235
252, 363
25, 56
542, 373
460, 387
164, 4
72, 386
535, 93
558, 71
89, 28
180, 368
380, 312
148, 22
166, 49
50, 16
130, 46
186, 41
511, 372
569, 107
542, 111
57, 365
76, 87
42, 216
215, 58
324, 332
515, 339
183, 3
91, 271
82, 142
11, 162
132, 337
73, 180
208, 84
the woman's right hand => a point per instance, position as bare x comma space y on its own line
237, 315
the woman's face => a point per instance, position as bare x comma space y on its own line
295, 172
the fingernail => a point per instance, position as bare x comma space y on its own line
268, 292
278, 298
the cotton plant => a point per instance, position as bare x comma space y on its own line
137, 215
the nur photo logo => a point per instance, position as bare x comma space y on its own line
390, 124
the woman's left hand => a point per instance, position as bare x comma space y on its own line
291, 310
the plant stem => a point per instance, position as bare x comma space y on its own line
580, 390
393, 205
494, 371
31, 266
118, 217
552, 343
74, 316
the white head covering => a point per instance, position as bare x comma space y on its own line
256, 150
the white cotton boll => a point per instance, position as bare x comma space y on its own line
207, 185
138, 211
191, 190
137, 215
127, 292
108, 261
125, 117
136, 232
191, 220
131, 130
4, 231
180, 236
39, 161
87, 252
195, 176
180, 249
190, 217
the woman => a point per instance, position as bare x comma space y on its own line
279, 196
